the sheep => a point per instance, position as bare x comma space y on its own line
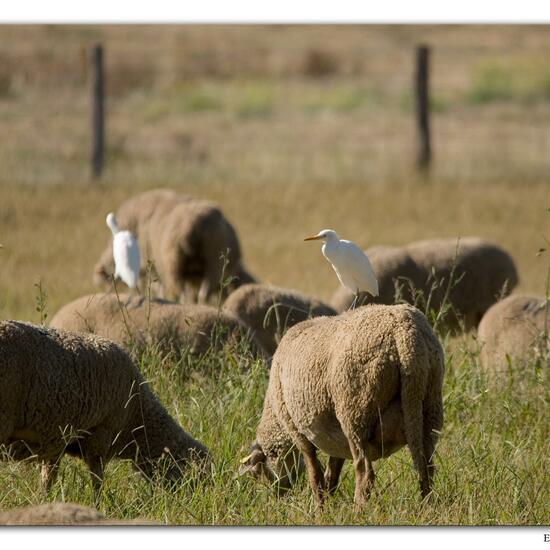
69, 393
136, 322
516, 329
270, 310
481, 273
62, 513
185, 239
356, 386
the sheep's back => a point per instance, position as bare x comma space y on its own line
270, 311
62, 513
513, 328
63, 379
201, 230
137, 322
481, 271
399, 278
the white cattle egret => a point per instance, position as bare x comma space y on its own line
125, 253
351, 264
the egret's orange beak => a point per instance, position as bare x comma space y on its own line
316, 238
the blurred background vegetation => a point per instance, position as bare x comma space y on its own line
237, 103
290, 128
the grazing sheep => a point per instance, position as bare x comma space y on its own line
483, 273
515, 329
64, 392
359, 386
138, 322
185, 238
270, 310
62, 513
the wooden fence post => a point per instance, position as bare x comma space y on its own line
98, 111
423, 106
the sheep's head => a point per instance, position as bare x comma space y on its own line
281, 471
169, 468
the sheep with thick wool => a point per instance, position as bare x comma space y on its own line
356, 386
138, 322
62, 513
515, 329
271, 310
188, 241
420, 273
79, 394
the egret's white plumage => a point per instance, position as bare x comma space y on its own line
125, 253
350, 263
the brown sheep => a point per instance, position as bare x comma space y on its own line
515, 329
185, 239
62, 513
79, 394
137, 322
271, 310
420, 272
356, 386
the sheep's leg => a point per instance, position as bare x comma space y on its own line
364, 475
417, 441
204, 291
313, 466
433, 420
332, 473
95, 450
189, 292
48, 473
172, 290
213, 279
95, 465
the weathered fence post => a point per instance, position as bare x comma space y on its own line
98, 111
423, 106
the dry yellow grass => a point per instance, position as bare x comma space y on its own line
57, 233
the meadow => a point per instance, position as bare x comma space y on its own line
290, 130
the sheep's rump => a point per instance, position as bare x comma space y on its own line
136, 322
187, 242
57, 385
471, 273
270, 310
353, 368
137, 214
514, 329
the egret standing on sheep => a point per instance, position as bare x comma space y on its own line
125, 253
351, 264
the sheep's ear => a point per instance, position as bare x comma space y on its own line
252, 463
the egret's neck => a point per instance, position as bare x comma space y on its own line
113, 226
330, 246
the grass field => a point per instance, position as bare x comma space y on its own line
290, 130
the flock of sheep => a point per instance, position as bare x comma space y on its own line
356, 384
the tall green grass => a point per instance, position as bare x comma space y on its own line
492, 459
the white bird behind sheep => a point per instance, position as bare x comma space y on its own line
350, 263
125, 253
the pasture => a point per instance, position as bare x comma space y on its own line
290, 130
